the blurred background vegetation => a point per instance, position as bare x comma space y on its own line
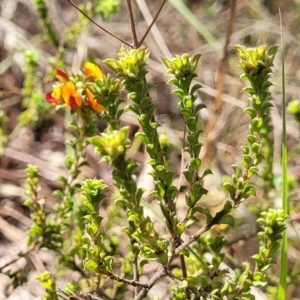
32, 133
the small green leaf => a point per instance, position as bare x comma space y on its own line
255, 148
160, 171
155, 195
178, 92
249, 190
251, 139
144, 120
258, 276
128, 231
245, 150
142, 264
133, 107
194, 89
189, 175
203, 211
247, 161
230, 188
195, 164
180, 228
258, 158
256, 124
191, 221
251, 112
163, 258
252, 171
169, 178
91, 229
273, 50
258, 283
187, 102
206, 172
191, 124
91, 265
227, 219
94, 251
171, 193
240, 183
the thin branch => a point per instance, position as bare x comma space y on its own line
181, 163
195, 236
158, 38
99, 26
127, 281
184, 275
132, 25
131, 282
224, 60
136, 275
220, 81
161, 273
22, 254
153, 22
80, 296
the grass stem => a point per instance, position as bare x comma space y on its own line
284, 258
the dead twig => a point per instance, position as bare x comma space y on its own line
220, 83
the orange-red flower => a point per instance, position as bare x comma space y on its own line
50, 99
61, 75
93, 104
65, 92
91, 70
70, 96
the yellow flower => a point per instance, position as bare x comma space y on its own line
55, 97
91, 70
93, 104
70, 96
56, 93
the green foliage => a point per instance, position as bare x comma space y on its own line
43, 12
294, 109
112, 144
44, 232
93, 242
183, 68
81, 227
256, 63
107, 8
97, 258
49, 285
33, 101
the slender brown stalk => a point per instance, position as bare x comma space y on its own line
163, 271
196, 235
220, 80
160, 273
135, 267
132, 25
223, 62
153, 22
181, 164
99, 26
22, 254
127, 281
184, 275
135, 43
